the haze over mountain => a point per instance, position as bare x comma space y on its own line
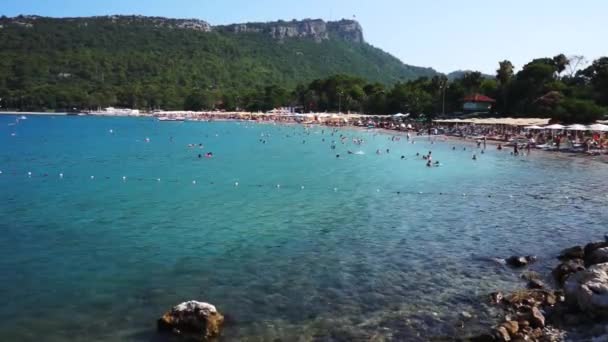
142, 61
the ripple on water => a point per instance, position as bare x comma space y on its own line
101, 259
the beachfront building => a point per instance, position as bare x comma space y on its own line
477, 103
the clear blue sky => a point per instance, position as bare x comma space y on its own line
443, 34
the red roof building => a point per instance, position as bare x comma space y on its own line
477, 103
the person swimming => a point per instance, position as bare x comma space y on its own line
199, 156
209, 155
337, 156
350, 152
402, 157
429, 164
474, 157
499, 147
453, 148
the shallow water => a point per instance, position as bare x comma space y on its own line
373, 246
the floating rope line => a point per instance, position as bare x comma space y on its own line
301, 187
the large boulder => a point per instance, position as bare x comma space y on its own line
193, 320
597, 256
576, 252
566, 268
588, 290
590, 247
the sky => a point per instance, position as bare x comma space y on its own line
446, 35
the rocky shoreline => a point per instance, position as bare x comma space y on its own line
573, 305
568, 303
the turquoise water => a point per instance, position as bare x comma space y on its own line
373, 246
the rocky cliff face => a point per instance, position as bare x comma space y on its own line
316, 29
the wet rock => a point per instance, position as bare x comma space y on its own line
588, 289
592, 246
597, 256
537, 319
535, 284
520, 261
511, 326
192, 320
576, 252
530, 275
502, 334
496, 297
564, 269
466, 315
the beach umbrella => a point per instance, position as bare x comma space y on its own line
598, 128
577, 127
533, 127
554, 127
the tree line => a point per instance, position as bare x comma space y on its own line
566, 89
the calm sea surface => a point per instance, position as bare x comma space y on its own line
371, 246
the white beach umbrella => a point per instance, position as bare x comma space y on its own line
598, 128
554, 127
577, 127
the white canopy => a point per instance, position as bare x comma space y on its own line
399, 115
533, 127
554, 127
598, 128
577, 127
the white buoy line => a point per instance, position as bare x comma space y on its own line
301, 187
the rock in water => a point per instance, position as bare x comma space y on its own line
576, 252
195, 320
520, 261
598, 256
566, 268
588, 289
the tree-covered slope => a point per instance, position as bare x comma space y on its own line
156, 62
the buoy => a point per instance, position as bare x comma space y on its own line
419, 192
124, 178
236, 183
278, 186
302, 187
335, 189
61, 175
463, 194
92, 177
158, 179
29, 174
377, 190
0, 172
193, 182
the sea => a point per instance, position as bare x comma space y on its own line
106, 223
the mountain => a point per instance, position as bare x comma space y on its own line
460, 74
146, 62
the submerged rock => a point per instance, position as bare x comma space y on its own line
192, 319
588, 290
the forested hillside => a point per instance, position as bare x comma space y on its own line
144, 62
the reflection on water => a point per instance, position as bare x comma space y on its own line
373, 246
